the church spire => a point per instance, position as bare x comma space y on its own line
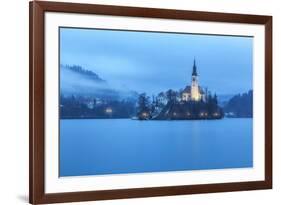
194, 71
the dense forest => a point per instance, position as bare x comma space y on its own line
87, 107
169, 106
163, 106
240, 105
84, 94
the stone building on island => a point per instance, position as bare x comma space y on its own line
193, 102
193, 92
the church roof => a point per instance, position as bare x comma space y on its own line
201, 90
187, 89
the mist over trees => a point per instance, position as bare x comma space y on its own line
84, 72
84, 94
78, 81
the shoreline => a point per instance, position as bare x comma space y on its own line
91, 118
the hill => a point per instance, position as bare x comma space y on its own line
240, 105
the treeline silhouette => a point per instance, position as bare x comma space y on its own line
164, 106
86, 73
174, 108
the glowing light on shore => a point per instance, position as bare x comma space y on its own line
144, 114
202, 114
108, 110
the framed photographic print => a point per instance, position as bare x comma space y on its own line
139, 102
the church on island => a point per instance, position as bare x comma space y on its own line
191, 103
193, 92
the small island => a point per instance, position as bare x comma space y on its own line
193, 102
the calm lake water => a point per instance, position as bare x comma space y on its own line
114, 146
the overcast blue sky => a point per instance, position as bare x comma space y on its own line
153, 62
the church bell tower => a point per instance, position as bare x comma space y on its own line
195, 94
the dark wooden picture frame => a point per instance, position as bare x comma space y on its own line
37, 193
